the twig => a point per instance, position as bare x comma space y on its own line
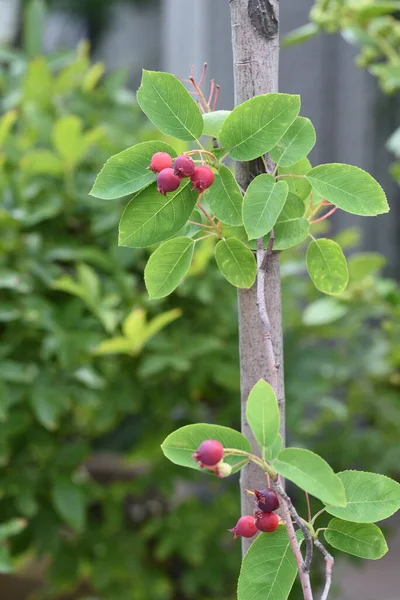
262, 257
300, 523
308, 507
329, 562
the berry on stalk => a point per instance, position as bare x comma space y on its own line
160, 161
266, 521
267, 500
167, 181
202, 178
209, 453
184, 166
245, 527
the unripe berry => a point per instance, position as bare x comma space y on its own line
202, 178
209, 453
167, 181
223, 470
267, 521
267, 500
245, 527
160, 161
184, 166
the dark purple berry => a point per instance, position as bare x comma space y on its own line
160, 161
184, 166
245, 527
167, 181
267, 500
202, 178
267, 521
209, 453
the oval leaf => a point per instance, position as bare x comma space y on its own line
349, 188
225, 198
180, 445
312, 474
262, 414
69, 501
360, 539
128, 172
213, 122
296, 143
167, 266
298, 185
370, 497
276, 447
327, 266
290, 232
236, 262
168, 104
151, 217
262, 204
256, 126
268, 568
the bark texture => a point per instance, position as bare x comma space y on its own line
255, 41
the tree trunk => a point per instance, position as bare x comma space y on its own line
255, 40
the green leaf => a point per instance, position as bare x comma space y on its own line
262, 414
296, 143
312, 474
262, 204
297, 185
360, 539
327, 266
275, 448
213, 122
168, 104
11, 528
364, 264
256, 126
128, 172
68, 140
301, 34
349, 188
324, 311
268, 568
290, 232
69, 502
167, 266
180, 445
236, 262
5, 560
41, 162
225, 198
151, 217
370, 497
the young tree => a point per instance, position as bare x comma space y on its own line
273, 205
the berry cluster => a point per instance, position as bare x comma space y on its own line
263, 518
210, 455
169, 178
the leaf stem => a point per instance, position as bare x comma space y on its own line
318, 514
328, 214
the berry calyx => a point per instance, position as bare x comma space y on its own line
267, 500
184, 166
245, 527
160, 161
267, 521
167, 181
223, 470
202, 178
209, 453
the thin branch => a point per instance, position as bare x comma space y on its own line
329, 562
308, 507
301, 524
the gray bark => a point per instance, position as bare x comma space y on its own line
255, 42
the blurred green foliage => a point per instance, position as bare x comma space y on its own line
140, 527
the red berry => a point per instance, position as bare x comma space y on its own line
167, 181
267, 500
245, 527
160, 161
184, 166
202, 178
209, 453
267, 521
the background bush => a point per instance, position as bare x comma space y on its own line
74, 396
